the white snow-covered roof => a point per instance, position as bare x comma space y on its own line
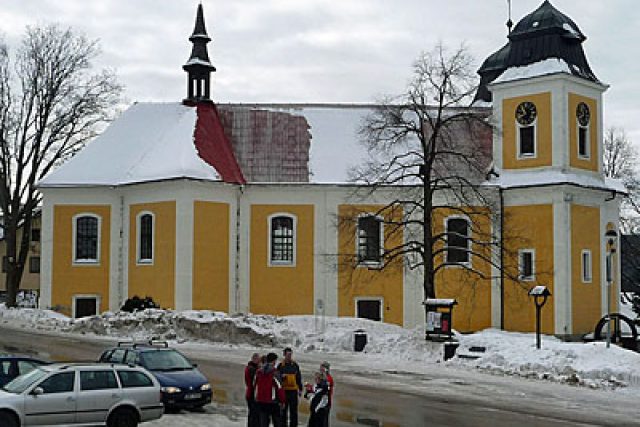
541, 68
518, 179
148, 142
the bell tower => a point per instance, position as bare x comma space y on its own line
199, 67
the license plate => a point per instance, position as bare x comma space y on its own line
192, 396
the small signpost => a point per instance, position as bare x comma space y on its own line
540, 294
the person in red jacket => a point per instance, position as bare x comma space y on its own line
324, 369
250, 370
269, 393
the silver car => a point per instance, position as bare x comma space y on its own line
118, 395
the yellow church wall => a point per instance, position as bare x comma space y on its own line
356, 281
69, 278
471, 291
156, 279
586, 297
528, 227
575, 161
281, 289
210, 256
544, 150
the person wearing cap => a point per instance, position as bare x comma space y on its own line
292, 384
269, 393
250, 370
324, 369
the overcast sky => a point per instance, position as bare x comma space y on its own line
324, 50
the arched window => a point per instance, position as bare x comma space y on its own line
87, 238
282, 240
369, 239
583, 118
458, 241
145, 237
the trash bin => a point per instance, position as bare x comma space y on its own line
359, 340
450, 349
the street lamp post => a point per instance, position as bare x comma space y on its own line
610, 237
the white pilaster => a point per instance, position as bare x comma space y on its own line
46, 246
184, 253
562, 264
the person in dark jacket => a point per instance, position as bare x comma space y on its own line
318, 394
292, 384
269, 393
324, 369
253, 419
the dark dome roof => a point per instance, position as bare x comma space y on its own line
544, 33
547, 19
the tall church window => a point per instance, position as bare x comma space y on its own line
458, 250
369, 239
587, 268
86, 228
583, 118
526, 118
282, 240
145, 237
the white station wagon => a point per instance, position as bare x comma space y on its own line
118, 395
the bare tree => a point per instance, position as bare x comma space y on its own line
435, 150
50, 104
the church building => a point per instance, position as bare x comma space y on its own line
235, 207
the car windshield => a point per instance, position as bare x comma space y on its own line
23, 382
164, 360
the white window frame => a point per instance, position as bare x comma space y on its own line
75, 297
521, 276
139, 260
469, 263
535, 140
366, 263
587, 142
582, 266
278, 263
366, 298
74, 220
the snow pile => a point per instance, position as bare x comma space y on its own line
586, 364
32, 316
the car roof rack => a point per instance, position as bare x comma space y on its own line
149, 343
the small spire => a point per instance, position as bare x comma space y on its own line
198, 66
509, 21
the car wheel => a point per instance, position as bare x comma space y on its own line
123, 418
8, 420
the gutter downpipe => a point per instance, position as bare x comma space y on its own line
239, 194
501, 191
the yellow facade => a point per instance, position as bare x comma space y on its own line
528, 227
30, 280
69, 278
592, 162
586, 297
282, 289
543, 137
155, 279
472, 291
211, 247
355, 281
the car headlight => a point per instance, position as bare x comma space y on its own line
205, 387
170, 390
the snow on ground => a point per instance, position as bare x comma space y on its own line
507, 353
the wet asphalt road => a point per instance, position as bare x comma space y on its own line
372, 404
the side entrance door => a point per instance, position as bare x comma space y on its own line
86, 306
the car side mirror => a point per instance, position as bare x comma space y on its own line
37, 391
195, 365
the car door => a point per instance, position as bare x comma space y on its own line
56, 405
99, 391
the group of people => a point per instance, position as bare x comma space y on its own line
273, 391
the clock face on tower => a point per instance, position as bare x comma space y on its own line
526, 113
582, 114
